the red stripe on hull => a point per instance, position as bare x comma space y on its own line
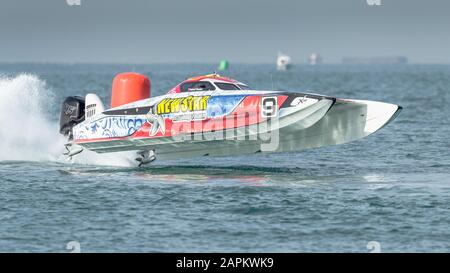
248, 112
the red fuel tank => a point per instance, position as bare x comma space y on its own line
129, 87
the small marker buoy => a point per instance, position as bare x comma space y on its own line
223, 65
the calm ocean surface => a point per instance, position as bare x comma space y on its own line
392, 187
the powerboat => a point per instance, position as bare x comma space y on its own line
314, 59
212, 115
283, 62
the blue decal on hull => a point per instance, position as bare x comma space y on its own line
222, 105
115, 126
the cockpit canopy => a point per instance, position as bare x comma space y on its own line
208, 83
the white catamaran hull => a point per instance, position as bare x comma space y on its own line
331, 124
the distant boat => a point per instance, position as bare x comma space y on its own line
314, 59
375, 60
283, 62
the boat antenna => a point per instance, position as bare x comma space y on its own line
271, 79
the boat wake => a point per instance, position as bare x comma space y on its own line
26, 131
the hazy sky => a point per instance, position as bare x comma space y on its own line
209, 30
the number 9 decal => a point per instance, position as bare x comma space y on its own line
269, 107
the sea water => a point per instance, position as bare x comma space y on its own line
389, 192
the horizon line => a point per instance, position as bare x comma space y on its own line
202, 63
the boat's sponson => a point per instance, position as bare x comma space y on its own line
234, 122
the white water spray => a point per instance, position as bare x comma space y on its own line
27, 134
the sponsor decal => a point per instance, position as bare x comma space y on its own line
298, 100
69, 109
182, 105
189, 117
223, 105
108, 127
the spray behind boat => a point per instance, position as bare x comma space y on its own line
126, 88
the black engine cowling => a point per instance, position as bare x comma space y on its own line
72, 113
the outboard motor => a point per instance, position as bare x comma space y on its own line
72, 113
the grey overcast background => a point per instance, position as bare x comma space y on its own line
245, 31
